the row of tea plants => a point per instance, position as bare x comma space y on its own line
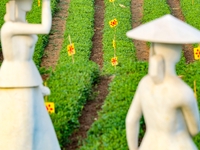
72, 81
108, 132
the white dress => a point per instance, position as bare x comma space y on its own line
25, 122
165, 122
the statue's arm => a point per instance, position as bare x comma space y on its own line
132, 122
191, 113
26, 28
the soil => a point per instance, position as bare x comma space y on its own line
89, 112
97, 54
142, 50
177, 12
56, 37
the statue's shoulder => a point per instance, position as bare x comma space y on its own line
178, 84
145, 81
6, 24
186, 90
7, 27
182, 91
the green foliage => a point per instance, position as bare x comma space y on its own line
153, 9
124, 46
108, 132
2, 12
34, 16
191, 12
70, 86
71, 83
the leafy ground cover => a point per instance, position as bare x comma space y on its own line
124, 46
108, 132
2, 13
34, 16
71, 83
153, 9
191, 12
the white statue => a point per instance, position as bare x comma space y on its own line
25, 122
167, 103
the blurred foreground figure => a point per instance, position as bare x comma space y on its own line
167, 103
25, 123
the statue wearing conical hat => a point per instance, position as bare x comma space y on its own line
25, 123
167, 103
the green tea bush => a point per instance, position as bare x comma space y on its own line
153, 9
71, 83
191, 12
124, 45
108, 132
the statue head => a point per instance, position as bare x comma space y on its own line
167, 35
14, 7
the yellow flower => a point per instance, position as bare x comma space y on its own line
71, 49
111, 0
113, 23
114, 61
38, 3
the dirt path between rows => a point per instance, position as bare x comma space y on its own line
89, 112
97, 53
56, 37
177, 12
142, 50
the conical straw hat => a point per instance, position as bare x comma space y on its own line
166, 29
